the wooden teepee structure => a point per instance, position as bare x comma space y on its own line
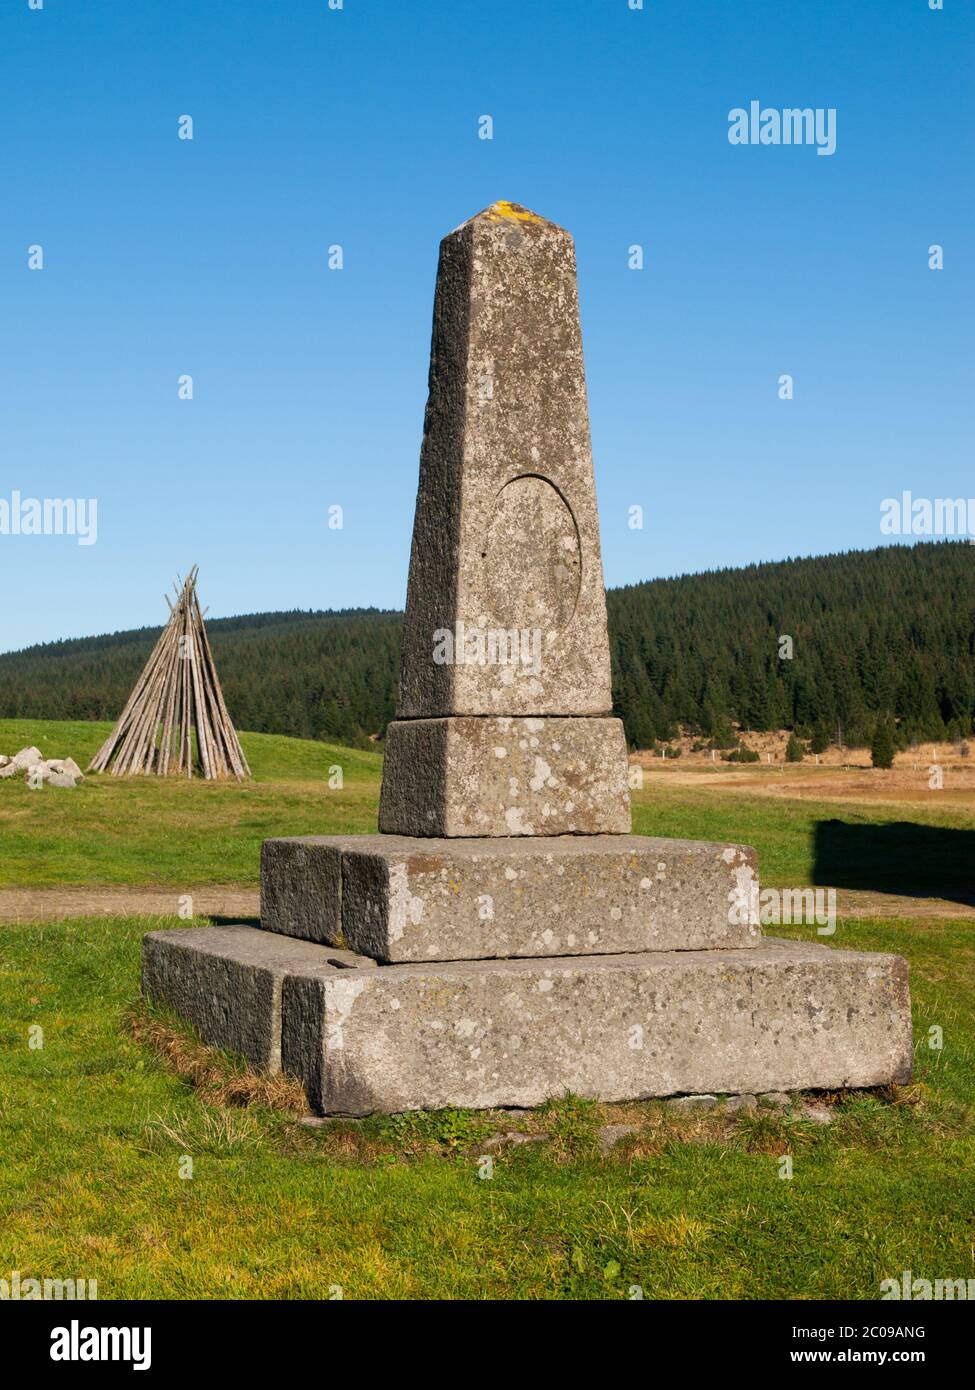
177, 693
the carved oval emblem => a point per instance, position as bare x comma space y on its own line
531, 556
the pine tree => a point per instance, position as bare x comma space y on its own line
724, 735
820, 739
883, 746
794, 751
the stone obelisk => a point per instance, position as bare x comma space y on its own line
504, 720
505, 938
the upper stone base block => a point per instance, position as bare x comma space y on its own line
400, 899
491, 777
505, 609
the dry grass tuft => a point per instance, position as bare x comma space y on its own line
217, 1078
209, 1131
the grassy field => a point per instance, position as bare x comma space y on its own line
171, 833
168, 832
96, 1127
97, 1124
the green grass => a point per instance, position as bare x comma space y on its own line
174, 833
94, 1124
94, 1128
170, 832
897, 849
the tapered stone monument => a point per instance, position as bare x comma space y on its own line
503, 725
504, 937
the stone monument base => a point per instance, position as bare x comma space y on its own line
362, 1037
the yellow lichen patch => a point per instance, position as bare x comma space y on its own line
678, 1232
512, 212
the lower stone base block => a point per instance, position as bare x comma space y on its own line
781, 1016
227, 982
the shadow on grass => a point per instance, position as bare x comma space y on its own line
916, 861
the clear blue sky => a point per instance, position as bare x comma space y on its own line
359, 127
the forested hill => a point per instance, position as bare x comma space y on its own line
872, 632
311, 675
886, 631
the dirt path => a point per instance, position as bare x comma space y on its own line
909, 783
856, 902
241, 904
55, 904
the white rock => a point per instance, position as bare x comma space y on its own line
818, 1114
67, 765
777, 1100
699, 1102
4, 760
27, 757
60, 779
608, 1136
